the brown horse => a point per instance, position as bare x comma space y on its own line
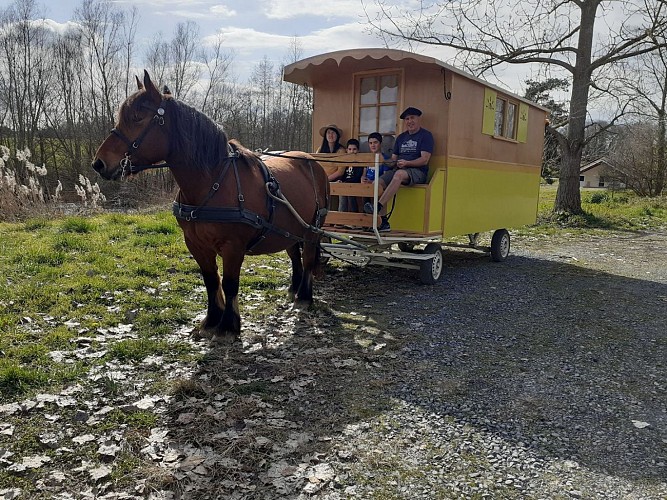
230, 202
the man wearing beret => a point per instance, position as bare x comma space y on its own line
412, 152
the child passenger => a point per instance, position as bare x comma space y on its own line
351, 174
375, 145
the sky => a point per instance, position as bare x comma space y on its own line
253, 29
258, 29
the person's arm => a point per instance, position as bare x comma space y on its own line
418, 162
337, 174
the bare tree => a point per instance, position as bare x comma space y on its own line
298, 105
157, 58
217, 62
129, 32
263, 82
635, 157
65, 112
561, 35
185, 72
25, 75
101, 27
646, 78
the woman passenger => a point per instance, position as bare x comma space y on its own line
331, 136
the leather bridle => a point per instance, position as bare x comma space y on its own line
133, 145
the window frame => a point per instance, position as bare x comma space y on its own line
505, 125
379, 73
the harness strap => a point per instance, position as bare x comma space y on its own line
226, 214
204, 213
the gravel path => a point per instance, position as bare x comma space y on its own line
540, 377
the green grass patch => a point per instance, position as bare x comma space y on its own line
81, 225
138, 349
36, 224
617, 210
16, 380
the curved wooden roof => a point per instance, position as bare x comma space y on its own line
321, 67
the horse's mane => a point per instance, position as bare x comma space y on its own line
202, 141
199, 140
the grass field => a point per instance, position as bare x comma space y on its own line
606, 209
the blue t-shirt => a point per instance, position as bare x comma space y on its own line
410, 146
370, 175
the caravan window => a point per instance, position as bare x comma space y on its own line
506, 117
377, 103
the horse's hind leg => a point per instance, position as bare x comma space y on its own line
229, 327
311, 255
294, 253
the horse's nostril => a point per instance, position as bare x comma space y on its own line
98, 165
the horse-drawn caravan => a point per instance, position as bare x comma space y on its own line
483, 175
484, 172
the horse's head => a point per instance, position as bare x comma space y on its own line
139, 137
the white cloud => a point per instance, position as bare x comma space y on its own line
55, 26
344, 36
287, 9
221, 10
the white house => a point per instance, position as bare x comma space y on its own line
600, 174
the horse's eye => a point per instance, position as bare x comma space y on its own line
136, 118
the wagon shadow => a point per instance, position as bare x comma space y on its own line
264, 414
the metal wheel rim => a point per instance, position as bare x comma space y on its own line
504, 246
436, 265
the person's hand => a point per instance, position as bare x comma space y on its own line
401, 163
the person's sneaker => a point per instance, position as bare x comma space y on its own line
384, 227
368, 207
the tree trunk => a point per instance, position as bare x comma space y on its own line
568, 197
661, 154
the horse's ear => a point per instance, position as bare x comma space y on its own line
152, 91
140, 86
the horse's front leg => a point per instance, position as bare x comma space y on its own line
215, 301
229, 327
294, 253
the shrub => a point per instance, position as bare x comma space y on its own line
598, 198
25, 194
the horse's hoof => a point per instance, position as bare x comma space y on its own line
201, 334
226, 339
301, 305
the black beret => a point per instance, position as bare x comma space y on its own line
411, 111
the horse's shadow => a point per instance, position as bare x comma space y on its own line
561, 362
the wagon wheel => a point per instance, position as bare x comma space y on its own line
500, 245
430, 270
404, 246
